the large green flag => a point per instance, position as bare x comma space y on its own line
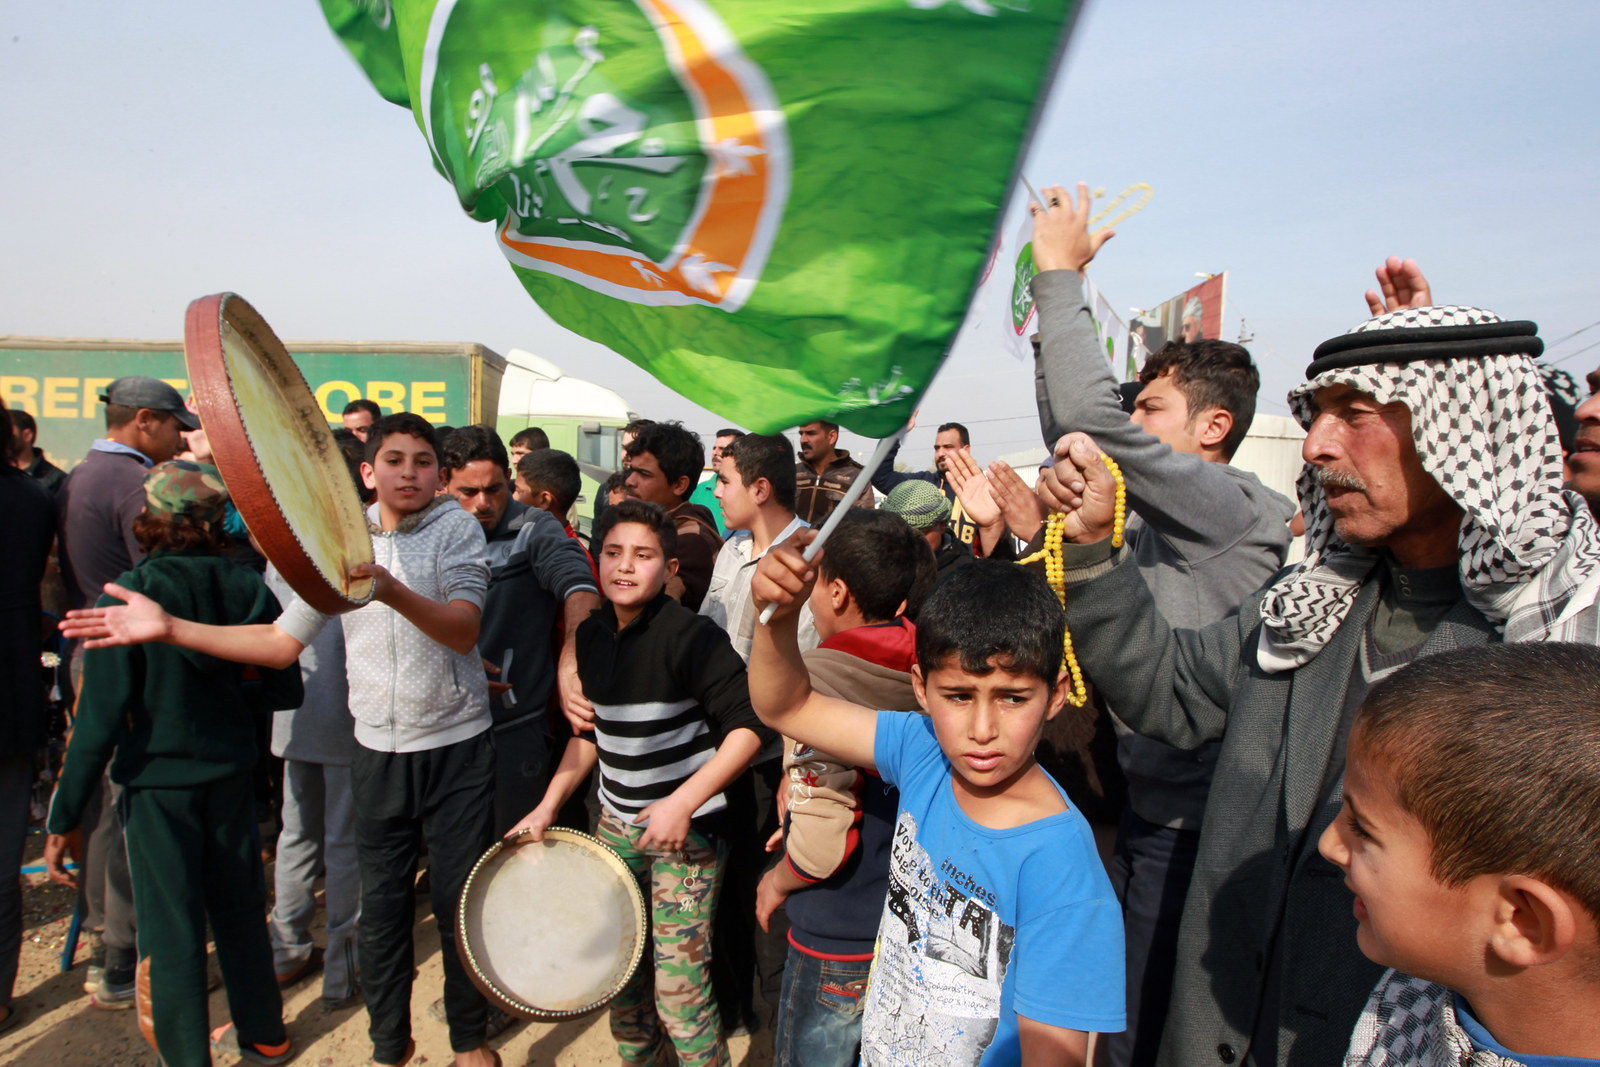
778, 209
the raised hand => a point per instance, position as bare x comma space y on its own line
1080, 486
137, 621
972, 488
1061, 238
1021, 509
1403, 287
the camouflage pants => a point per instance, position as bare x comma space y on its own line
672, 989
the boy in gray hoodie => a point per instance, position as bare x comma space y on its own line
423, 765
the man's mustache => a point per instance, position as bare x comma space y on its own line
1329, 478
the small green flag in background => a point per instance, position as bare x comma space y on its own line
778, 209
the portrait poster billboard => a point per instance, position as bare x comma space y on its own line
1189, 316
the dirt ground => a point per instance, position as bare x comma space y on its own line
59, 1027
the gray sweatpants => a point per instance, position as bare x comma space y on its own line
319, 820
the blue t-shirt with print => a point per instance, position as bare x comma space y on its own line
983, 925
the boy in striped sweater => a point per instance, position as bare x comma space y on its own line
672, 726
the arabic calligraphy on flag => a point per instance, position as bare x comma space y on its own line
779, 210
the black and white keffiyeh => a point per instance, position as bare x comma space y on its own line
1530, 552
1409, 1022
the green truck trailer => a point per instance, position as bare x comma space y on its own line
58, 381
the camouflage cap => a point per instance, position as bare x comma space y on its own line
920, 503
183, 489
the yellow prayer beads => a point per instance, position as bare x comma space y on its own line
1055, 570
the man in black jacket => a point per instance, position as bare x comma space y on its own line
538, 577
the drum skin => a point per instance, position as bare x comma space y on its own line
551, 930
290, 483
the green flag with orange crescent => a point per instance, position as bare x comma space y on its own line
778, 209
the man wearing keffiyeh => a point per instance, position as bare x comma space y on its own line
1435, 520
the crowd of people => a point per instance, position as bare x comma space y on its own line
1053, 773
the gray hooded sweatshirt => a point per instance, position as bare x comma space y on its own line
409, 693
1206, 535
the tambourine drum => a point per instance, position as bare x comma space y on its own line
552, 930
276, 453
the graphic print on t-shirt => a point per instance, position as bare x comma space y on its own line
934, 996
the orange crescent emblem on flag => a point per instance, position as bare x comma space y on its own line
719, 255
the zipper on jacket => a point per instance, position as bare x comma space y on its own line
394, 670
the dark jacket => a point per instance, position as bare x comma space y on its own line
886, 478
816, 495
533, 567
46, 473
30, 525
99, 502
698, 545
1263, 901
173, 717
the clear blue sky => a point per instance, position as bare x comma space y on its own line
158, 152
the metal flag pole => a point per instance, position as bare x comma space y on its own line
851, 495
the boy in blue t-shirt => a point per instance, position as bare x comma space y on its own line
1001, 938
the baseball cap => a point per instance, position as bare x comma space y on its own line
920, 503
153, 393
184, 489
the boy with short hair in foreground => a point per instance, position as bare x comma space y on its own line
1001, 940
1468, 834
672, 728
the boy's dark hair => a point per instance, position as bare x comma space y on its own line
617, 480
555, 471
530, 437
678, 451
354, 450
10, 440
1495, 750
369, 406
728, 431
876, 554
636, 426
470, 444
23, 422
769, 456
966, 438
406, 422
1211, 374
645, 514
156, 532
992, 610
927, 577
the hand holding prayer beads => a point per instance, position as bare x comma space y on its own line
1055, 569
1081, 485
